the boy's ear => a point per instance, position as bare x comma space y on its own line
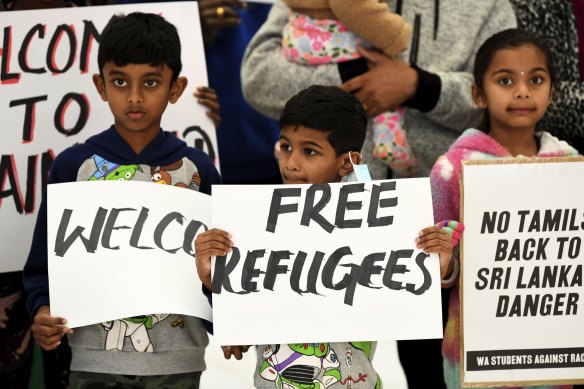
100, 86
347, 166
177, 89
477, 97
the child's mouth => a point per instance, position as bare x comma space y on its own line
293, 181
521, 111
136, 115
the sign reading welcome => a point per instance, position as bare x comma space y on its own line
48, 101
126, 249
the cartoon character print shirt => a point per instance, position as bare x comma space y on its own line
182, 173
153, 343
317, 366
132, 333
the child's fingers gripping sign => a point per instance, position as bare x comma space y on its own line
48, 330
214, 242
236, 351
436, 240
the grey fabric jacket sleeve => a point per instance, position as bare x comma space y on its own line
268, 79
455, 108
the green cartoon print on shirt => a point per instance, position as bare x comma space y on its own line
106, 170
299, 365
136, 328
316, 366
348, 382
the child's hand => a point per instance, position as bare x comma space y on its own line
236, 351
210, 243
436, 240
49, 330
208, 97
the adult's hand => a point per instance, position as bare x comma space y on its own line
218, 14
388, 84
207, 97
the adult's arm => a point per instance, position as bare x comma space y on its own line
212, 22
268, 79
441, 89
455, 107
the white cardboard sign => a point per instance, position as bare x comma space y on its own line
522, 280
123, 252
48, 101
333, 262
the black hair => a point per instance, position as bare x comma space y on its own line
328, 109
507, 39
140, 38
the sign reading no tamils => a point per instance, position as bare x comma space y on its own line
522, 295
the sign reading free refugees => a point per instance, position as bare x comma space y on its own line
48, 101
522, 272
125, 250
327, 262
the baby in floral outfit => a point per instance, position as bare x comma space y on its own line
328, 31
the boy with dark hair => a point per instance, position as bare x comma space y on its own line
140, 38
139, 63
322, 130
328, 110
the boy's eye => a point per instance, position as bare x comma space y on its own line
150, 83
285, 147
119, 82
505, 81
310, 151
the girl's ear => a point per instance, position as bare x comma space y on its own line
100, 86
551, 94
478, 98
347, 166
177, 89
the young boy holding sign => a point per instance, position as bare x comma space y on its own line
140, 62
322, 131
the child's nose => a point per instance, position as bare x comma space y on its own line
293, 162
135, 96
522, 91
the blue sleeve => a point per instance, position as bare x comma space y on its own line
208, 324
35, 274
